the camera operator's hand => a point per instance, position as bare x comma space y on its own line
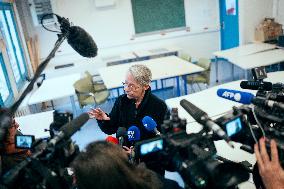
270, 170
98, 114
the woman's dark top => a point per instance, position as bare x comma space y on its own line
125, 114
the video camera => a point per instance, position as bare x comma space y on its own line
48, 165
264, 117
192, 155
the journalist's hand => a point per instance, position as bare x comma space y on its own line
128, 150
270, 170
98, 114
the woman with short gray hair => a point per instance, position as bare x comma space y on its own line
142, 74
130, 108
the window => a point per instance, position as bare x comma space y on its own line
6, 94
9, 32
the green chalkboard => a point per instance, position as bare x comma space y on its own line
157, 15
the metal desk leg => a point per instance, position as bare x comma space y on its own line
184, 84
156, 84
246, 74
216, 62
117, 91
34, 109
162, 84
233, 72
75, 113
178, 87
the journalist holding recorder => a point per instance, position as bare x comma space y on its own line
10, 155
130, 108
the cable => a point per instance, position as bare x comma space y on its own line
41, 22
258, 121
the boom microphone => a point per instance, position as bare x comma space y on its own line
248, 98
256, 85
78, 38
133, 134
69, 129
150, 124
202, 118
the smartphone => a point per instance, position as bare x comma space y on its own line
233, 126
149, 146
24, 141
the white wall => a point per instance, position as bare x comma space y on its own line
113, 30
278, 12
251, 13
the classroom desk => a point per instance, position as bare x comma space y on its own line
244, 50
120, 59
79, 66
264, 58
161, 68
241, 51
157, 52
34, 124
208, 101
55, 88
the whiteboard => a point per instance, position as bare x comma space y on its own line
202, 15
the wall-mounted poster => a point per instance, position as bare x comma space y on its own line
231, 7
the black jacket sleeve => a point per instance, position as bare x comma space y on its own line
110, 126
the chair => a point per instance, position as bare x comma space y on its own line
90, 91
185, 56
203, 77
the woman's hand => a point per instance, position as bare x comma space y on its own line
98, 114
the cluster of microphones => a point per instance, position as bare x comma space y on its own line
132, 134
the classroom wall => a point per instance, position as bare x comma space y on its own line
112, 28
251, 13
278, 13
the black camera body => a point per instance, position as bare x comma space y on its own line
48, 165
260, 119
59, 119
194, 156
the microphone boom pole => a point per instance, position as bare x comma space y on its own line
61, 38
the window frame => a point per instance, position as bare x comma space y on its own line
4, 7
10, 97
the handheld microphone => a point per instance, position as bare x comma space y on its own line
248, 98
234, 95
133, 134
202, 118
256, 85
112, 139
67, 130
150, 124
78, 38
120, 134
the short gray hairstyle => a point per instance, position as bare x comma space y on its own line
142, 74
